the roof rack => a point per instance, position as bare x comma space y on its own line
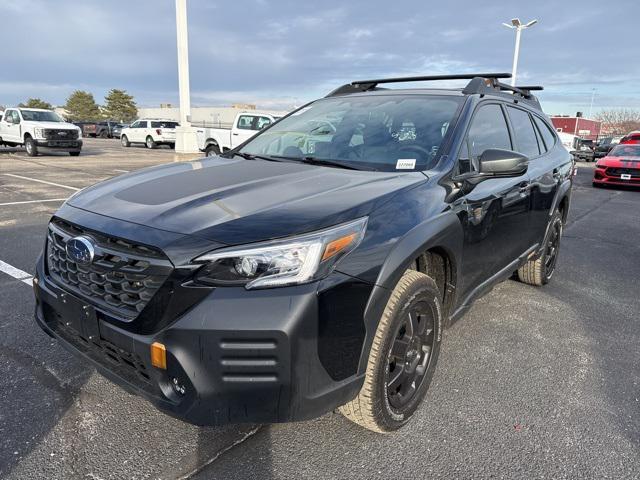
480, 83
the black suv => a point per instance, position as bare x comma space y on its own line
310, 268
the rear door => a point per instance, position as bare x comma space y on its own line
495, 212
11, 131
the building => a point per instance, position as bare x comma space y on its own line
202, 116
578, 125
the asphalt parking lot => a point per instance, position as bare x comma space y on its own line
531, 383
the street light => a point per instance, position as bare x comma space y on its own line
518, 26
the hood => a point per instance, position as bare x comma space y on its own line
623, 162
234, 201
58, 125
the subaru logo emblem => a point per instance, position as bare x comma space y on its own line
80, 250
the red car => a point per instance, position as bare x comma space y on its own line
620, 167
632, 138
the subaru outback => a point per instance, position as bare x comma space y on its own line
315, 266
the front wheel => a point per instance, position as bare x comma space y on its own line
212, 150
74, 154
403, 356
150, 143
31, 147
124, 141
539, 271
104, 134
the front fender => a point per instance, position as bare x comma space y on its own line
444, 232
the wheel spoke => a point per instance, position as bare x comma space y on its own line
410, 325
399, 348
396, 378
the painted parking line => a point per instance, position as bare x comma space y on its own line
16, 273
41, 181
32, 201
121, 171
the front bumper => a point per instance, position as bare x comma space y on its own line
64, 145
242, 356
601, 177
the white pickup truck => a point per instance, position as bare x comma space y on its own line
213, 141
39, 129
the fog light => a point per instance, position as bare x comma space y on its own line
178, 387
158, 355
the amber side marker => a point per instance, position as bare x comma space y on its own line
336, 246
159, 355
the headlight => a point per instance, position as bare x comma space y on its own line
79, 133
39, 133
291, 261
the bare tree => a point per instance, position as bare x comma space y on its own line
619, 121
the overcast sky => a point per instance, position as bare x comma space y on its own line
277, 53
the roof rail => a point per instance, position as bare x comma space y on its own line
480, 83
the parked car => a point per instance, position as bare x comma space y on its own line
150, 132
89, 129
105, 129
289, 277
39, 130
585, 150
214, 141
604, 146
116, 131
631, 138
620, 167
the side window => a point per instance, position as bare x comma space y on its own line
142, 124
245, 122
488, 130
263, 122
134, 124
547, 134
525, 137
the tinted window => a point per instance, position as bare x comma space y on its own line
142, 124
488, 130
164, 124
525, 137
547, 134
369, 132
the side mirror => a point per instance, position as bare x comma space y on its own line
495, 162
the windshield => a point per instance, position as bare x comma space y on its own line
381, 132
625, 151
40, 116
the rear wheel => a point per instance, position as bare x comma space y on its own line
104, 134
31, 147
150, 143
124, 141
74, 154
539, 271
403, 356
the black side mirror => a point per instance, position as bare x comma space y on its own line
495, 162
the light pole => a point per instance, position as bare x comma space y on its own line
593, 96
518, 26
186, 141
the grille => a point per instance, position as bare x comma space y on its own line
54, 134
634, 172
122, 278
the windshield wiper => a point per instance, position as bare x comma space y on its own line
250, 156
324, 161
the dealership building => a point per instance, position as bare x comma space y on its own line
578, 125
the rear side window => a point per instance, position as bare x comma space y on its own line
525, 137
547, 134
164, 124
245, 122
488, 130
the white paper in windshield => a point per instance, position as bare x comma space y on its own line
406, 164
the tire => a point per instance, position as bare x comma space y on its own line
31, 147
212, 150
104, 134
539, 271
124, 141
74, 154
150, 144
399, 349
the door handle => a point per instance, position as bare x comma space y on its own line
235, 134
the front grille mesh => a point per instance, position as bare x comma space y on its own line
60, 134
122, 278
634, 172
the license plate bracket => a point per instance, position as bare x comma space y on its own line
79, 316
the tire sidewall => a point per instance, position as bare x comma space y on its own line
124, 141
556, 222
423, 290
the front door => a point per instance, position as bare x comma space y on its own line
494, 213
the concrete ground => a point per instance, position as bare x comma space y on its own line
531, 383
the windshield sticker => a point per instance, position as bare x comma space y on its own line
406, 164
